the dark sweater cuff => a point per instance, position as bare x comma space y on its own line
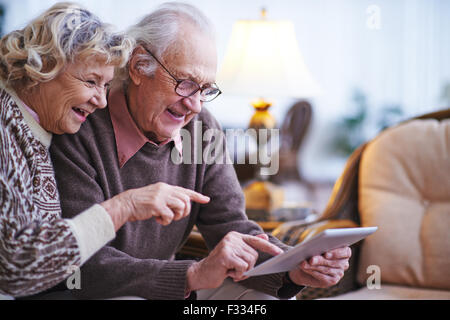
289, 288
170, 284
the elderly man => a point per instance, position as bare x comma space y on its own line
129, 144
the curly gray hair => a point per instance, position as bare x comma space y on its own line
63, 34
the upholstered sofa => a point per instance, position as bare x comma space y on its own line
400, 182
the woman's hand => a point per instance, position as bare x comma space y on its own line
165, 202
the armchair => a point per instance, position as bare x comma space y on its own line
400, 182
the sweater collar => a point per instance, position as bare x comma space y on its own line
129, 139
30, 118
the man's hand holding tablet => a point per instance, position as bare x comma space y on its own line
318, 262
322, 271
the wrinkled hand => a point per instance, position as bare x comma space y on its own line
322, 271
165, 202
234, 254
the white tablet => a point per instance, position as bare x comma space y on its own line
325, 241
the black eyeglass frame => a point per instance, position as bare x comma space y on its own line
179, 81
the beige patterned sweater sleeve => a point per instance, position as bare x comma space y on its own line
38, 248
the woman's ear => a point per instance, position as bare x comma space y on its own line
134, 68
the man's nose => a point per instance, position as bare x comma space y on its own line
193, 103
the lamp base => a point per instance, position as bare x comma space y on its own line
261, 198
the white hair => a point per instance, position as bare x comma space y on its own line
158, 32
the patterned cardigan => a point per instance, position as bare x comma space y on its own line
38, 249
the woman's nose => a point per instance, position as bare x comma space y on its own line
99, 99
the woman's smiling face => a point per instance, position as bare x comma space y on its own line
63, 103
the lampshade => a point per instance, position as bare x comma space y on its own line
263, 59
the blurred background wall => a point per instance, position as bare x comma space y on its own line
377, 62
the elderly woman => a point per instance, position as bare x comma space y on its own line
54, 73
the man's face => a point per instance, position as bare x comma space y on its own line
157, 109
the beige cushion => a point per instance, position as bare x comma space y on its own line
393, 292
404, 189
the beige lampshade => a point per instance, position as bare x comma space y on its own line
263, 59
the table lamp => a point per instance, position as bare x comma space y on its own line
263, 61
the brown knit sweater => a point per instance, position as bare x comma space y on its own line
38, 248
138, 262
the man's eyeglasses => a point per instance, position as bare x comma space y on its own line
187, 88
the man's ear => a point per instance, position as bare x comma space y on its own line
134, 66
